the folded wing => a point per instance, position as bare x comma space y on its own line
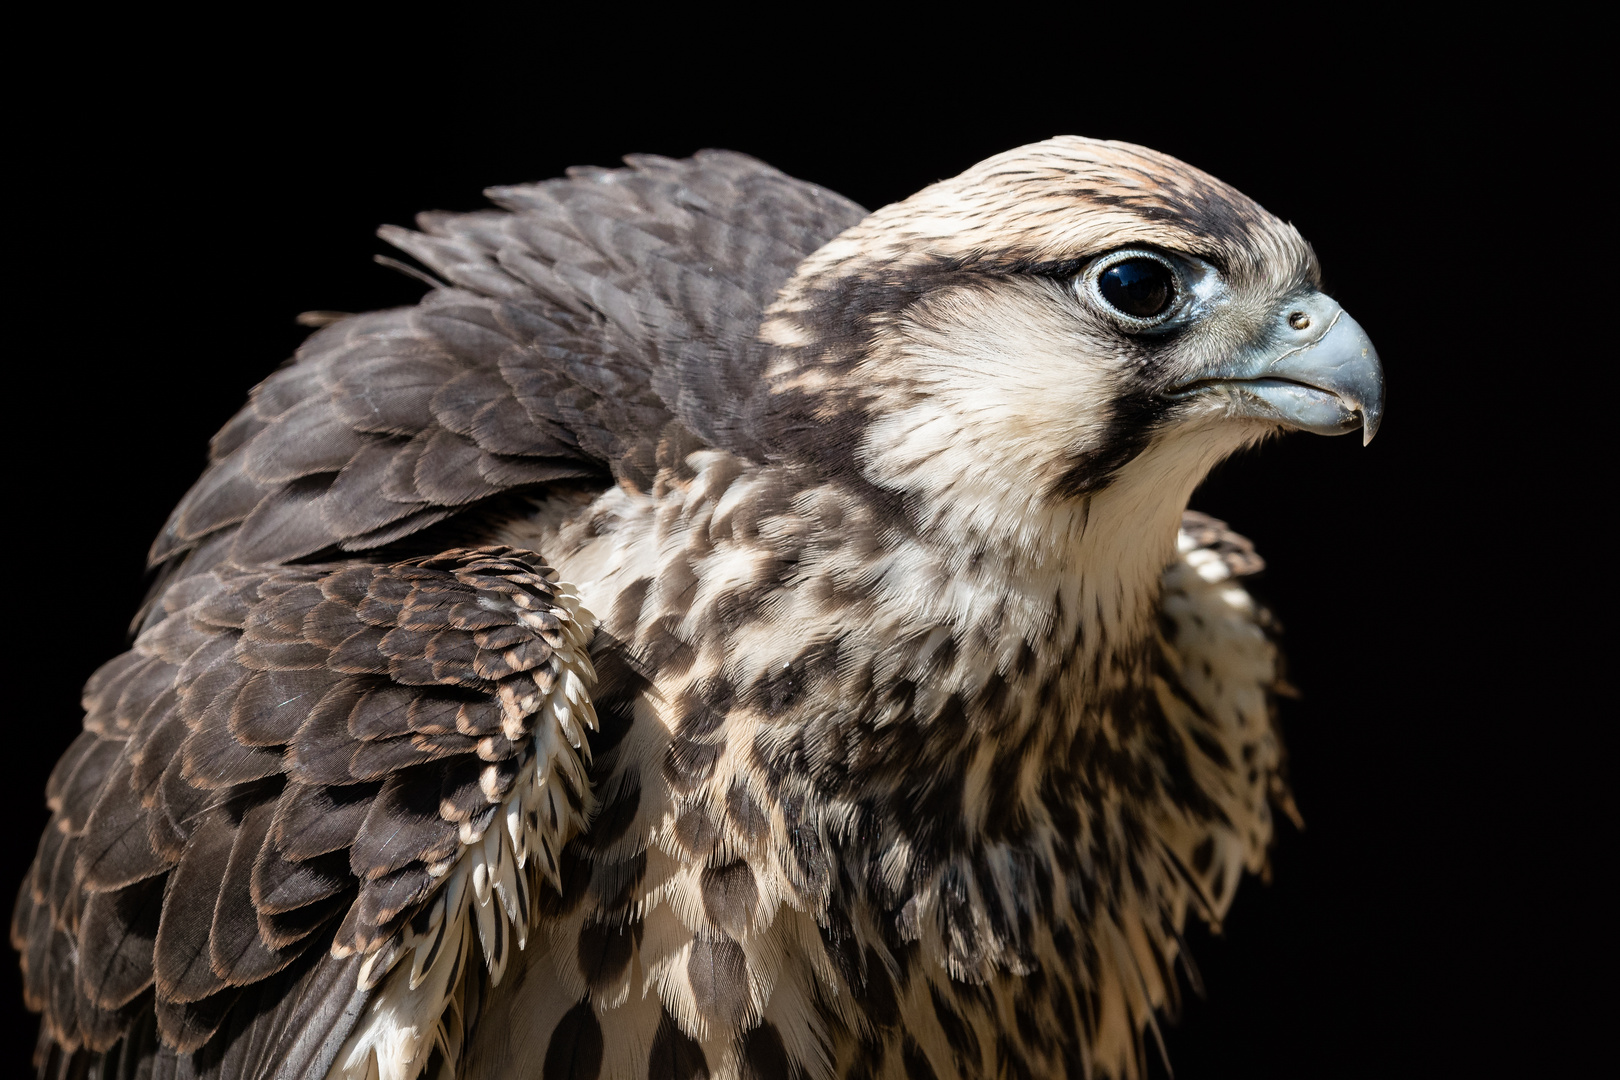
303, 783
590, 320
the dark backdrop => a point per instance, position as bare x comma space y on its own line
179, 206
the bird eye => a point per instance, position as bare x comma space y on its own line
1140, 286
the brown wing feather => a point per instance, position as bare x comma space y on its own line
583, 319
235, 765
264, 789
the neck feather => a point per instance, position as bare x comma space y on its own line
1068, 577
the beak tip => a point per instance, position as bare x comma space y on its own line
1373, 418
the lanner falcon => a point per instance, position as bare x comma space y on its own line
717, 632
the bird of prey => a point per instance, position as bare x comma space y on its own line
717, 632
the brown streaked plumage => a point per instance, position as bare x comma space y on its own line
914, 715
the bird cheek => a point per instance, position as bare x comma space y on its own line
1199, 411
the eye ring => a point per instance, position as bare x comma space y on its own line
1138, 288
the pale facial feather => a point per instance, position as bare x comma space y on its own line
1064, 198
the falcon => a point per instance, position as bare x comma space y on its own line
717, 632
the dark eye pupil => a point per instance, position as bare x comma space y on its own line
1138, 287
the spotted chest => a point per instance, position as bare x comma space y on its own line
837, 839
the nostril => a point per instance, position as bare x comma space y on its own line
1299, 320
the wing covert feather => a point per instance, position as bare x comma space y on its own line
282, 788
296, 765
581, 321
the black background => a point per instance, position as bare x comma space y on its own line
180, 200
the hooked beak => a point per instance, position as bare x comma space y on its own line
1317, 372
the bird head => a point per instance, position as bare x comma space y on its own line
1072, 326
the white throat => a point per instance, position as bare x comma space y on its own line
1021, 566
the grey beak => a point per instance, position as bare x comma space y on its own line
1317, 372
